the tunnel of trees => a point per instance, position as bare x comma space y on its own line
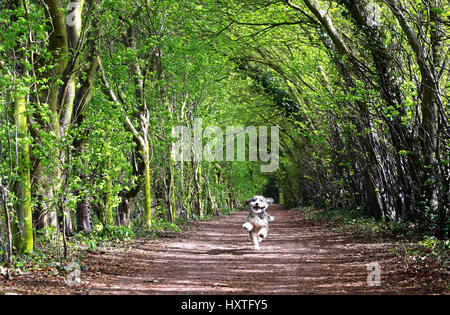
90, 91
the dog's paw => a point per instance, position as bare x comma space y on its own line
262, 233
248, 226
257, 247
271, 219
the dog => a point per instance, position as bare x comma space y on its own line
258, 219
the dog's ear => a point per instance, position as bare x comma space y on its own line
269, 200
248, 201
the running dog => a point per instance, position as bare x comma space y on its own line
258, 219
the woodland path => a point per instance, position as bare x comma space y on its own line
216, 257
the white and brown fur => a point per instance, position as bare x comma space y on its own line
258, 219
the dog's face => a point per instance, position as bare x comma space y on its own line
258, 204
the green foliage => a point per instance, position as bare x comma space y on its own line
162, 225
434, 246
352, 219
112, 233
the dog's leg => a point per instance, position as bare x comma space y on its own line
270, 218
255, 241
262, 233
248, 226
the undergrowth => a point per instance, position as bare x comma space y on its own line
416, 248
50, 254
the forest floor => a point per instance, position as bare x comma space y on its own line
216, 257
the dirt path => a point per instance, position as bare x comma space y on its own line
217, 258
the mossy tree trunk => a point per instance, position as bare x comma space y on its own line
23, 227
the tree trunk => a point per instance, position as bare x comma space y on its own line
48, 179
147, 187
198, 186
125, 206
23, 231
430, 98
84, 223
172, 201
